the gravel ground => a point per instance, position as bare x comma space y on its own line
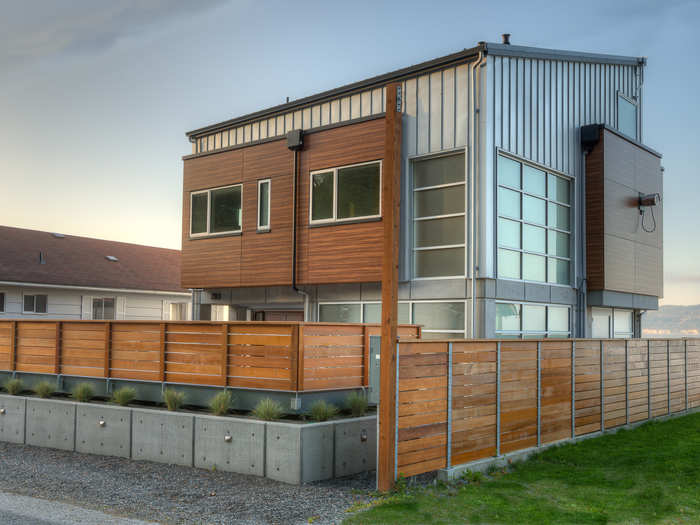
170, 493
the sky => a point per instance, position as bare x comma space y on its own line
96, 95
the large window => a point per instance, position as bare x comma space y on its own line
263, 205
607, 323
36, 304
345, 193
531, 321
178, 311
534, 223
627, 116
103, 308
440, 319
216, 211
439, 217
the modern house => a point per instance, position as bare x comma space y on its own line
530, 206
54, 276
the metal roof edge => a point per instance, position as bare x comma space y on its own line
559, 54
463, 55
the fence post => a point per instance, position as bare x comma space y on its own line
648, 379
668, 376
57, 349
627, 385
396, 416
365, 357
108, 348
161, 371
602, 386
685, 370
300, 359
224, 354
539, 393
498, 398
449, 404
573, 389
13, 346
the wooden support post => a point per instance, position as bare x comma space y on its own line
365, 357
391, 182
300, 359
108, 347
13, 345
57, 350
294, 359
161, 360
224, 354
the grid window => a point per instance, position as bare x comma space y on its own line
439, 217
216, 211
36, 304
103, 308
531, 321
534, 223
346, 193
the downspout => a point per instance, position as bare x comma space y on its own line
295, 147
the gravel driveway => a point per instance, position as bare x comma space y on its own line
170, 493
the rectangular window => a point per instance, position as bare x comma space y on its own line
340, 313
103, 308
531, 321
439, 217
345, 193
216, 211
178, 311
627, 116
263, 205
36, 304
623, 323
2, 301
534, 223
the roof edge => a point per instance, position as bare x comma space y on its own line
576, 56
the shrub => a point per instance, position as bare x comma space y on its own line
173, 399
356, 403
83, 392
321, 410
14, 386
221, 403
123, 396
268, 409
44, 389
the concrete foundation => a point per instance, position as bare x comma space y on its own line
299, 453
103, 430
12, 412
50, 424
355, 446
233, 445
317, 443
164, 437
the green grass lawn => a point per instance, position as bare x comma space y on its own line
647, 475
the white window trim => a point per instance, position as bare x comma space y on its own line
208, 192
33, 311
546, 333
269, 204
334, 219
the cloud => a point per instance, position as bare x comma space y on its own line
36, 29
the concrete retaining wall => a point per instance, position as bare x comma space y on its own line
288, 452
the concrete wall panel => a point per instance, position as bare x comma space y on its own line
243, 453
162, 437
12, 411
50, 424
355, 446
103, 430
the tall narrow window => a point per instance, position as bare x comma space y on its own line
216, 211
263, 205
346, 193
438, 217
103, 308
534, 223
627, 116
2, 301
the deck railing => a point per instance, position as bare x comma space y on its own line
284, 356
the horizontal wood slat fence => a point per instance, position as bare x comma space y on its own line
462, 401
286, 356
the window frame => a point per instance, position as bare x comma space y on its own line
635, 103
102, 299
33, 310
3, 299
334, 219
546, 334
554, 229
208, 192
267, 227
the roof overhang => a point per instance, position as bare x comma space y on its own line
94, 288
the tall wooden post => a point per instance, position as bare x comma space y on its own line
391, 185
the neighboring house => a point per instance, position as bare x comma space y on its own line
53, 276
521, 166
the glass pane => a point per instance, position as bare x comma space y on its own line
372, 313
508, 172
2, 302
28, 303
534, 210
534, 318
40, 304
339, 313
199, 213
534, 335
558, 243
264, 205
507, 317
97, 308
442, 170
358, 191
322, 196
508, 233
225, 210
439, 316
534, 238
509, 203
626, 117
441, 201
558, 271
534, 181
404, 313
534, 267
601, 323
508, 264
558, 335
558, 216
439, 263
622, 322
558, 319
439, 232
559, 189
108, 312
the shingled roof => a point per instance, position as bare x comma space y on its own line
31, 256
